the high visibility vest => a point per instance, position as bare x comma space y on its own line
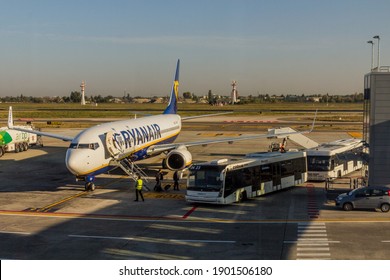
139, 184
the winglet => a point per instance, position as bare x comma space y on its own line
172, 105
10, 118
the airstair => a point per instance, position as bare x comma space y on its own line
299, 139
132, 169
126, 164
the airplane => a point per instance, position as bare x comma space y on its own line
110, 145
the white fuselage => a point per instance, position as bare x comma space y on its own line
92, 150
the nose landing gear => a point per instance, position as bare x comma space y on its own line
89, 185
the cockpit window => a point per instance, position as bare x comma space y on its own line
83, 146
73, 146
92, 146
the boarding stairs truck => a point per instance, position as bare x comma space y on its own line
17, 141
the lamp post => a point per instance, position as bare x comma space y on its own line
377, 37
372, 54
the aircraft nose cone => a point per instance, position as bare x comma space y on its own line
71, 162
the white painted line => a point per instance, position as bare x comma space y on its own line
301, 259
310, 224
313, 254
100, 237
316, 241
313, 249
300, 235
312, 231
202, 241
131, 238
16, 232
312, 239
313, 244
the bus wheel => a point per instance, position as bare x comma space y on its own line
385, 207
347, 206
242, 197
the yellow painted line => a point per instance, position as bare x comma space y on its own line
48, 207
164, 195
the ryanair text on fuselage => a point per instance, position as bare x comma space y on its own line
137, 136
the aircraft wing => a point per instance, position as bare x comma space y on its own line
37, 132
41, 133
159, 148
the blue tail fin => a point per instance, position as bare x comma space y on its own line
172, 105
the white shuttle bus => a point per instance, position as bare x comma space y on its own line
334, 159
227, 181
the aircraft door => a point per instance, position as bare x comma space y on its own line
112, 145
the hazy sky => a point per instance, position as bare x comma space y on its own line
276, 47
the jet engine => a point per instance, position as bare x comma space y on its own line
178, 159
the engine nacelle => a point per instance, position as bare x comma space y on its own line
178, 159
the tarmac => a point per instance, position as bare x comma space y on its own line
46, 214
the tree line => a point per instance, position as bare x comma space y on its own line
75, 97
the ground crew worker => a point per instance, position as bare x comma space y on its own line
138, 188
176, 181
159, 178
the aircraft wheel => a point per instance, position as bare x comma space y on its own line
90, 186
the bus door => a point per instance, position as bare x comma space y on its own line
276, 175
256, 182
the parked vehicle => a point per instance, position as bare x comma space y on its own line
16, 141
377, 197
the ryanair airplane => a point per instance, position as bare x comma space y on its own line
106, 146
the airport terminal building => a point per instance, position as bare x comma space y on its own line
376, 125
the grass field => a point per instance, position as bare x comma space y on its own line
41, 113
108, 110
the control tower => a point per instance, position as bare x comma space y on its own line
376, 125
82, 86
234, 94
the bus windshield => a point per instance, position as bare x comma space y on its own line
205, 178
318, 163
